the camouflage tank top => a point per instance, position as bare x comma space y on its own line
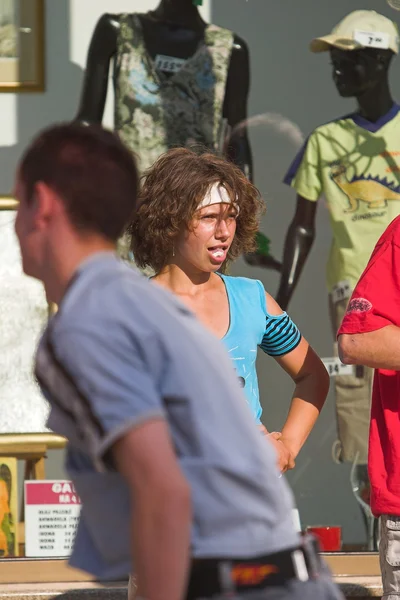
155, 111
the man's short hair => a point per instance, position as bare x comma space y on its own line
90, 169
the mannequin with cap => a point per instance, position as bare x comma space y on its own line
360, 65
354, 162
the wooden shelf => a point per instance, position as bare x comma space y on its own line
353, 564
8, 203
35, 570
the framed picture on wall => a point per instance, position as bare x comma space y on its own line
21, 45
8, 507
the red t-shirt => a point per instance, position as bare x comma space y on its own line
375, 303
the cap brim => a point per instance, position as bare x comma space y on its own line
323, 44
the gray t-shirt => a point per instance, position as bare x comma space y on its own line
121, 351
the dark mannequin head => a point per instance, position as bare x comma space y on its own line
176, 9
355, 72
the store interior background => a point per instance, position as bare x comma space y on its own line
294, 92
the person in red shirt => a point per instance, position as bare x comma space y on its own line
370, 335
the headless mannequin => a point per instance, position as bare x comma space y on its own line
175, 28
362, 74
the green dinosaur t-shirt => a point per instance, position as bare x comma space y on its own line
355, 165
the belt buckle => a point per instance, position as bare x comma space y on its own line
237, 576
300, 565
252, 575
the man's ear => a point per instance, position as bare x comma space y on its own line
45, 203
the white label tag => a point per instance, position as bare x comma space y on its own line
296, 519
168, 64
52, 511
335, 367
372, 39
341, 291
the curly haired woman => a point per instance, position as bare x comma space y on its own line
198, 213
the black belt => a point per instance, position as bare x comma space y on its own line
226, 575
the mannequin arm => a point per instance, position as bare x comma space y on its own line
298, 242
235, 107
102, 47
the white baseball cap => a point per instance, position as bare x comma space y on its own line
360, 29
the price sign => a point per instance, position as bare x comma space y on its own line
335, 367
168, 64
52, 511
341, 291
372, 39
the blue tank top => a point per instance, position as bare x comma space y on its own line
250, 327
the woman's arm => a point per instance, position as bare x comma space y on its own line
311, 389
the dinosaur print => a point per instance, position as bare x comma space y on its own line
372, 190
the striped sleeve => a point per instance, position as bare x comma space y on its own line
281, 335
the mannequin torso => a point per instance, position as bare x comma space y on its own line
175, 29
362, 74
